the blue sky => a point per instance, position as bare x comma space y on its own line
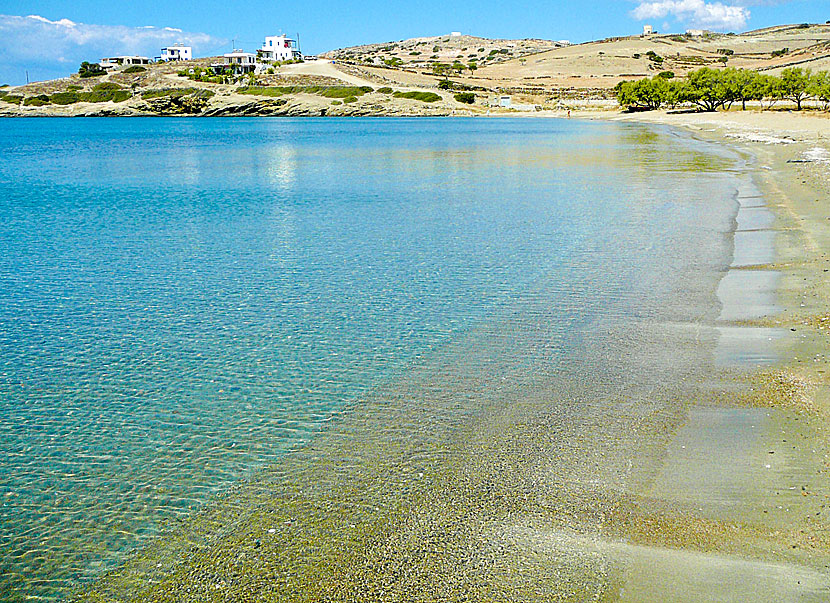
49, 38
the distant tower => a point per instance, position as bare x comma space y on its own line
648, 30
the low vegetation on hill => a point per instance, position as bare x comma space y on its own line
456, 51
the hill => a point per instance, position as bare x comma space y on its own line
422, 53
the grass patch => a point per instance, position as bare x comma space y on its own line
426, 97
385, 90
134, 69
465, 97
335, 102
350, 99
14, 99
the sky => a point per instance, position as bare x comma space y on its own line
46, 39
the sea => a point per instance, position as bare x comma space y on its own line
186, 302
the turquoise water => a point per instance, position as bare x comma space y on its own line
183, 301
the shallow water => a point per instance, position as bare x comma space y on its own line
184, 301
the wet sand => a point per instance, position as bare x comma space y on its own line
691, 466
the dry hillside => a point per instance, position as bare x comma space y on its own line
422, 53
592, 67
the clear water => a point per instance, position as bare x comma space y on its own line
183, 301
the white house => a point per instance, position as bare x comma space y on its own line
113, 62
697, 33
648, 30
279, 48
238, 61
177, 52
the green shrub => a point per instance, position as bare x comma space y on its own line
666, 75
350, 99
414, 54
134, 69
653, 56
106, 87
14, 99
385, 90
426, 97
336, 102
74, 88
780, 53
65, 98
446, 85
465, 97
37, 101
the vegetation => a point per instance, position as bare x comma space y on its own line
465, 97
135, 69
14, 99
653, 56
37, 101
713, 89
385, 90
350, 99
91, 70
326, 91
780, 53
426, 97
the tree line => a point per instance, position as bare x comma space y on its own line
712, 89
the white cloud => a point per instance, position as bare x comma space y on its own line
46, 46
712, 15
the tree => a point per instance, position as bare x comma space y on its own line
742, 85
820, 87
645, 94
706, 88
441, 69
795, 85
91, 70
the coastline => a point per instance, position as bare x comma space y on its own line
637, 541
